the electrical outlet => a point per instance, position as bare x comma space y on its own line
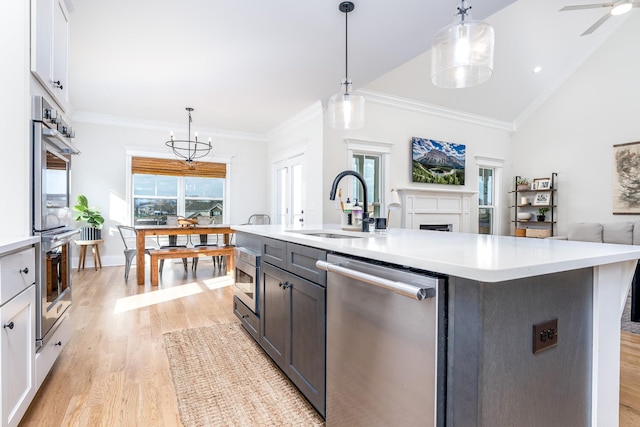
545, 335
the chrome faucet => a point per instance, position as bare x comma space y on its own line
334, 188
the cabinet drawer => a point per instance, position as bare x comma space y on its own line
17, 273
301, 260
274, 252
48, 354
247, 317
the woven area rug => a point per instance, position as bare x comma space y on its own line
223, 378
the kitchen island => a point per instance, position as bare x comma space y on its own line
498, 288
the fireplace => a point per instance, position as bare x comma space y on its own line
449, 209
437, 227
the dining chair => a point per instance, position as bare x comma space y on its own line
128, 235
172, 243
258, 219
218, 260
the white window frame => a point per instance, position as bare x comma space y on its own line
497, 165
382, 149
142, 152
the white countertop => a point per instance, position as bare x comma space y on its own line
11, 243
472, 256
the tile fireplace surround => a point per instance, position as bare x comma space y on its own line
436, 206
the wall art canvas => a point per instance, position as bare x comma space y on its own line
438, 162
626, 178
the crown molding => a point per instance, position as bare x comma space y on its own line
434, 110
311, 112
119, 121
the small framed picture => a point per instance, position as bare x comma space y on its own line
541, 184
542, 199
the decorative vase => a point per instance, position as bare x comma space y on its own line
90, 233
541, 218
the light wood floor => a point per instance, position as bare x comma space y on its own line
114, 371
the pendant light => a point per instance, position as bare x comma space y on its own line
462, 53
346, 109
189, 149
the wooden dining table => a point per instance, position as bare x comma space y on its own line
142, 231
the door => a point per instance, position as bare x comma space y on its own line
306, 327
289, 209
17, 345
273, 312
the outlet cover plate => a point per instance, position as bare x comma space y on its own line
545, 335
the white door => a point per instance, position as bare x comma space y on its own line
289, 209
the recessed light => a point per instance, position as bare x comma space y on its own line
537, 69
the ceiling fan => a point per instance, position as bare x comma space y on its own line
618, 7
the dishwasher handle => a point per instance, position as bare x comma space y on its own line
412, 291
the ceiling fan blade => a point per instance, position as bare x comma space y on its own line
586, 6
595, 26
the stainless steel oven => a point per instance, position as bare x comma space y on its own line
51, 214
247, 277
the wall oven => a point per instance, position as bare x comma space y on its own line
247, 277
51, 214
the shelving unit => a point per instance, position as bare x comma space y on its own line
533, 227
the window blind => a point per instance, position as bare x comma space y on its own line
150, 166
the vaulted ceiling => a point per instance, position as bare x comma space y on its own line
250, 65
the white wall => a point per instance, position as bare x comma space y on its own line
99, 173
15, 114
388, 121
573, 133
301, 134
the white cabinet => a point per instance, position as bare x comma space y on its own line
17, 336
50, 47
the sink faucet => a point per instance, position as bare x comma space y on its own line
334, 188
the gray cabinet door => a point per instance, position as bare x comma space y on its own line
273, 314
305, 354
274, 252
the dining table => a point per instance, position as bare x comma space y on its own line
142, 231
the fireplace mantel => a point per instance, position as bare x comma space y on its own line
436, 206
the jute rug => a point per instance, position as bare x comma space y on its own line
223, 378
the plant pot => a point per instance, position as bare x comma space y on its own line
541, 218
522, 187
90, 233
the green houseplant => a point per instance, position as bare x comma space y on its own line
89, 215
542, 213
522, 184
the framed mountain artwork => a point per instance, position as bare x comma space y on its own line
437, 162
626, 178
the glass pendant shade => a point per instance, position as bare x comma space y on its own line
346, 110
462, 55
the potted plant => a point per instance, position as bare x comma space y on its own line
541, 213
91, 216
522, 184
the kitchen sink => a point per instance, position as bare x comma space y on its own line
330, 234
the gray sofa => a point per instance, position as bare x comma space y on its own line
626, 233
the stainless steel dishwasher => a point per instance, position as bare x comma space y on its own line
382, 345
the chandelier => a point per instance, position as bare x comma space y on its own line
462, 53
189, 149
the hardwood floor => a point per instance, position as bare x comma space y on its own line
114, 371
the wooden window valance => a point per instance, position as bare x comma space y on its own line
150, 166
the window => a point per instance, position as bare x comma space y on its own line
489, 178
485, 201
371, 160
169, 187
368, 165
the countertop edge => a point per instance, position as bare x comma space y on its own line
11, 243
595, 255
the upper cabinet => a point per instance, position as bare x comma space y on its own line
50, 47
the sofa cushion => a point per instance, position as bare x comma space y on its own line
636, 233
585, 232
618, 232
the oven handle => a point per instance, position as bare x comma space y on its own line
64, 236
68, 148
